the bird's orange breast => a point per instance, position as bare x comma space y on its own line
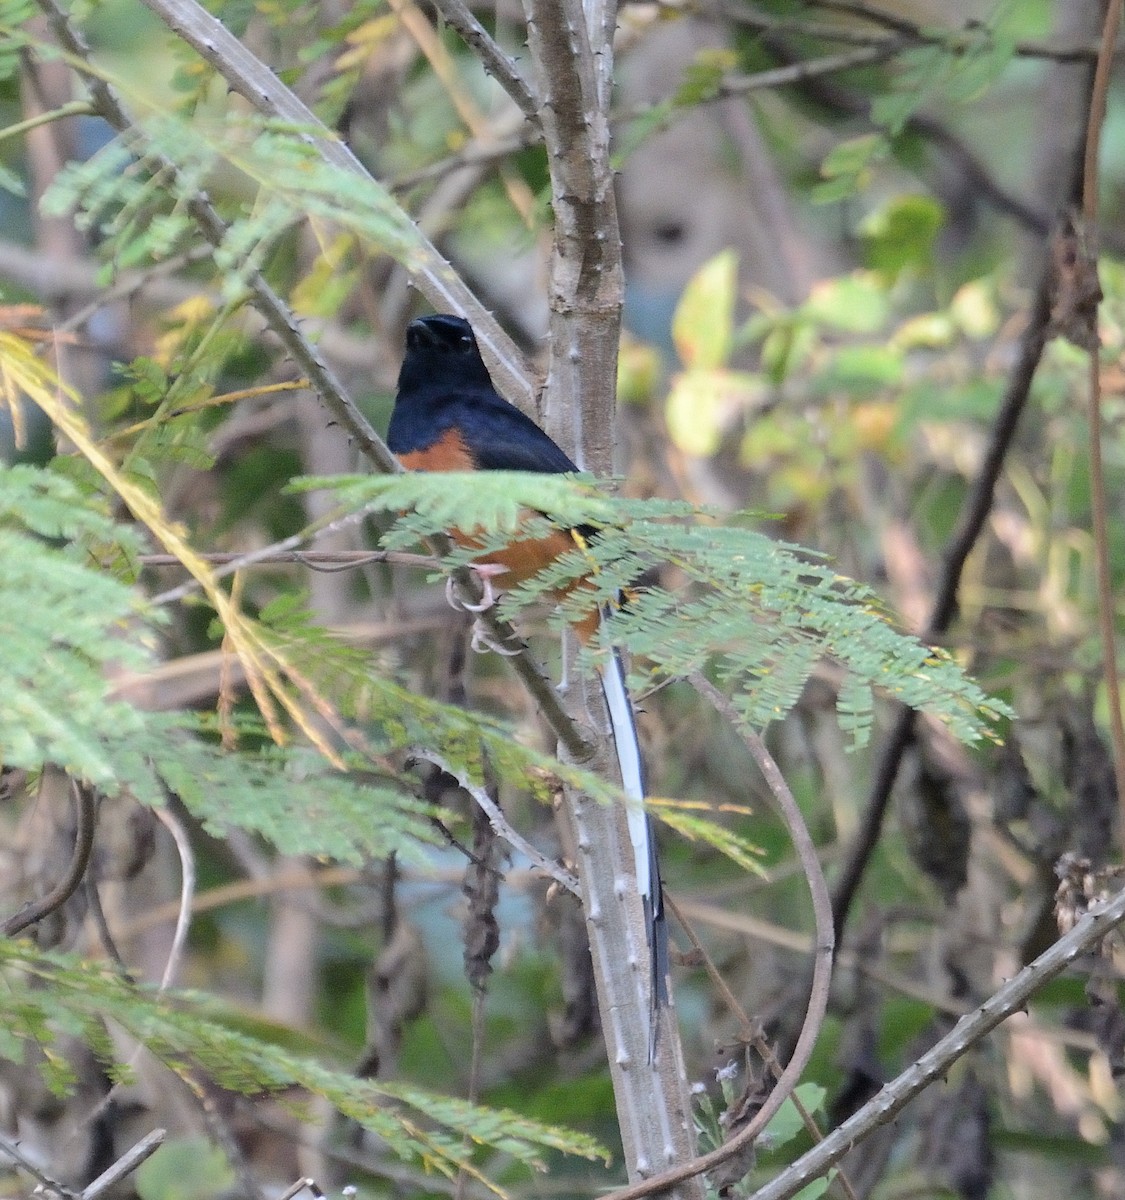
521, 560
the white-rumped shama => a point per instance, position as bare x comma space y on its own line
448, 416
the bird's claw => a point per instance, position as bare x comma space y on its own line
484, 572
483, 642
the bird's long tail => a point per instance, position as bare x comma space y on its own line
623, 725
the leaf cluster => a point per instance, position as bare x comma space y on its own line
757, 613
136, 191
48, 995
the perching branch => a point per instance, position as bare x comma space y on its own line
571, 46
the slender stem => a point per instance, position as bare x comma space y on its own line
974, 514
830, 64
315, 560
85, 808
1100, 519
501, 825
187, 894
76, 108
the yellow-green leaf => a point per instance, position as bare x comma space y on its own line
702, 405
703, 325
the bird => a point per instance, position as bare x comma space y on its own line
448, 416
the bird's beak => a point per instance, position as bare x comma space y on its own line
419, 334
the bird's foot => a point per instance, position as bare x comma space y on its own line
485, 573
484, 643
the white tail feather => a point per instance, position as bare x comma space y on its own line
628, 750
623, 726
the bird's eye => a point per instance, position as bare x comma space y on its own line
465, 341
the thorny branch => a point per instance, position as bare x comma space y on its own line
493, 59
821, 972
1012, 998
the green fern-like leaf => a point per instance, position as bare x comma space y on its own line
757, 613
287, 795
47, 994
62, 625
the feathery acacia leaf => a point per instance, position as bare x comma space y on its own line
759, 614
186, 1031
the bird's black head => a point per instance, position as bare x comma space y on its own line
441, 350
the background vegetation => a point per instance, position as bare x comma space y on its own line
867, 389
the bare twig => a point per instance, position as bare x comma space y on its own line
830, 64
238, 562
315, 560
187, 891
974, 514
500, 824
126, 1164
473, 154
47, 1185
502, 68
296, 879
901, 28
101, 925
1098, 502
298, 1186
1101, 919
85, 808
257, 84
